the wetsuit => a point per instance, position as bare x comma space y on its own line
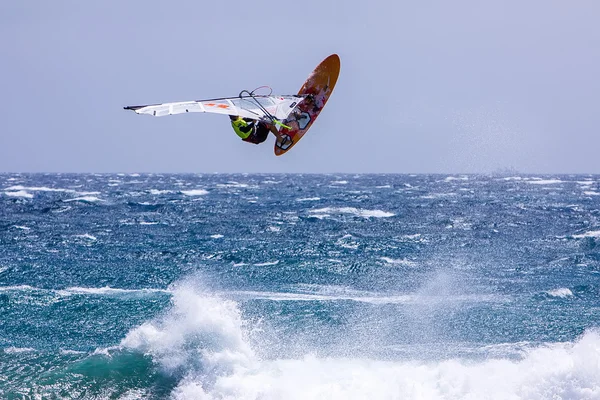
250, 130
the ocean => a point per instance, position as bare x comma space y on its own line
277, 286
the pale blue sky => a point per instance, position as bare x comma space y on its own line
428, 86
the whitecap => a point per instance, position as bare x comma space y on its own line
85, 199
545, 181
234, 184
107, 290
86, 236
159, 192
16, 350
195, 192
402, 261
558, 370
351, 210
217, 236
562, 292
309, 199
20, 193
453, 178
39, 189
593, 234
266, 264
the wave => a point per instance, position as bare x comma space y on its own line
85, 199
20, 193
39, 189
592, 234
351, 210
402, 261
195, 192
233, 184
537, 181
266, 264
87, 236
82, 290
205, 344
159, 192
309, 199
562, 292
198, 334
108, 291
17, 350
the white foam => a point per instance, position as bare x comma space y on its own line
309, 199
88, 199
274, 229
594, 234
323, 294
217, 236
195, 192
71, 352
16, 350
234, 184
545, 181
107, 290
554, 371
591, 193
39, 189
453, 178
148, 223
20, 193
266, 264
16, 288
339, 182
86, 236
198, 333
159, 192
562, 292
402, 261
25, 228
351, 210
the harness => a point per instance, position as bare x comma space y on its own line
243, 128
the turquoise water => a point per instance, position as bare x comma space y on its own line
299, 286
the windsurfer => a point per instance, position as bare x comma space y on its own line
253, 131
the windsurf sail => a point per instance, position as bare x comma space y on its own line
257, 107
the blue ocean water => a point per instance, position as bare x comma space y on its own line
155, 286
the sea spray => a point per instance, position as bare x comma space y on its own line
200, 335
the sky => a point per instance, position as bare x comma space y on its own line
425, 86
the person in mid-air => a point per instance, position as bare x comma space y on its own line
253, 131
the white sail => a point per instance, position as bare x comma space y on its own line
246, 106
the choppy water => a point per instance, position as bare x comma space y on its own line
299, 287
